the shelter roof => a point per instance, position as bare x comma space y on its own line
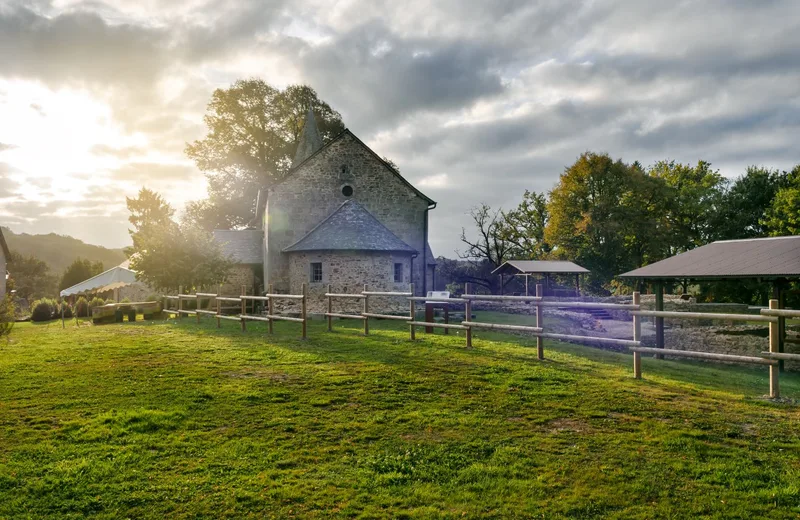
539, 267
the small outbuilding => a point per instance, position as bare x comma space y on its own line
543, 269
120, 282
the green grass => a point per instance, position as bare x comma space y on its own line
179, 420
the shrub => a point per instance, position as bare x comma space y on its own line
43, 310
67, 311
7, 315
126, 300
82, 307
96, 302
153, 298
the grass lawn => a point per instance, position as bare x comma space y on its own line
179, 420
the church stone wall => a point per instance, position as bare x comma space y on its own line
347, 272
314, 191
238, 276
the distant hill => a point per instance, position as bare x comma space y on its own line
58, 251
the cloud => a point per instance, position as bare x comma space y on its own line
475, 101
7, 146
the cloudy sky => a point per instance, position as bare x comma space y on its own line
476, 101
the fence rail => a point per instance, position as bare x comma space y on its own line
773, 316
707, 316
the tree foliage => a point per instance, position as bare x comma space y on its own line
81, 269
783, 216
253, 131
148, 210
523, 227
611, 217
167, 256
30, 277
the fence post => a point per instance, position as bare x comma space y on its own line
774, 346
468, 315
196, 306
412, 312
539, 321
180, 302
366, 310
270, 307
330, 309
219, 307
244, 310
304, 309
637, 336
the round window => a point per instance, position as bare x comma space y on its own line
347, 190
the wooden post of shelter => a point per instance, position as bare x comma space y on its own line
637, 336
330, 309
774, 345
270, 307
539, 322
63, 325
468, 315
526, 284
413, 314
366, 310
244, 310
659, 290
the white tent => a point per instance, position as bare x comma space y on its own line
114, 278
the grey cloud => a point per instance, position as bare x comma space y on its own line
381, 77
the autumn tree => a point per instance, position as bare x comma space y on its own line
598, 212
253, 131
744, 205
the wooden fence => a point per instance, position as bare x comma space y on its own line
241, 302
773, 315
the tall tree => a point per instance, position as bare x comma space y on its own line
167, 256
78, 271
253, 130
148, 209
598, 210
489, 249
31, 277
744, 205
693, 199
783, 217
523, 227
171, 257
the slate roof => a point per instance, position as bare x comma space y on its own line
540, 267
350, 228
243, 245
429, 258
775, 257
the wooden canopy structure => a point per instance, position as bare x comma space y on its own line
542, 269
775, 260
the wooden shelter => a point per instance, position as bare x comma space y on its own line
775, 260
541, 269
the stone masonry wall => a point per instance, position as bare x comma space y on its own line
347, 272
313, 192
238, 275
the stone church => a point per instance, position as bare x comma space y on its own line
342, 216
